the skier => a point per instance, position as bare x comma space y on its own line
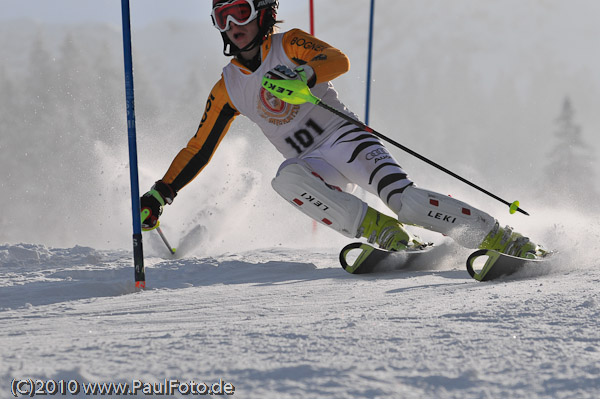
326, 157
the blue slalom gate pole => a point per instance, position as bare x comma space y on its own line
138, 253
369, 59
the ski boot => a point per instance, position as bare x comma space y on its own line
507, 241
386, 231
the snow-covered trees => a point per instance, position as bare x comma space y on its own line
569, 172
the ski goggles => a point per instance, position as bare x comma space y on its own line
241, 12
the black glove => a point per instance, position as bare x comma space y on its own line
303, 73
153, 202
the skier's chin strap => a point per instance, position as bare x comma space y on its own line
230, 49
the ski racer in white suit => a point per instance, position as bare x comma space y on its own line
326, 157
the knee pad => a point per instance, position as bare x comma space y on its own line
328, 205
467, 225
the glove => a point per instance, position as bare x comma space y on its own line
153, 201
304, 73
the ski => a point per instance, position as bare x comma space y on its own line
498, 264
371, 260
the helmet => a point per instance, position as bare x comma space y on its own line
264, 10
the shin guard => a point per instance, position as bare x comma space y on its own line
467, 225
326, 204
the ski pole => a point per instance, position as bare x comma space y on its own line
159, 230
297, 92
144, 215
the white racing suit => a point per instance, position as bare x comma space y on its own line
326, 157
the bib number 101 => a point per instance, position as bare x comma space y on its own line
304, 138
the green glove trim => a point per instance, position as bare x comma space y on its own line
301, 73
158, 196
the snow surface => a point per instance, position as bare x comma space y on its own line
290, 323
262, 304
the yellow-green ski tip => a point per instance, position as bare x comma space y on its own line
514, 207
